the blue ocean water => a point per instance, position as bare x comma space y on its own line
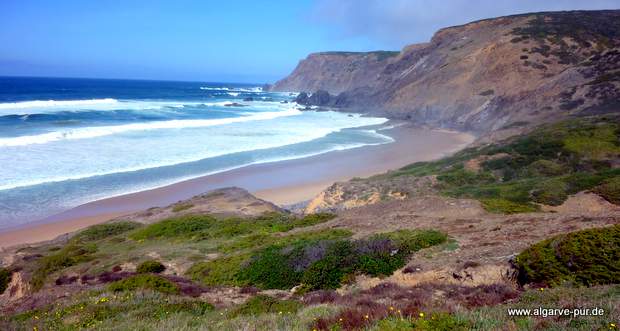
65, 142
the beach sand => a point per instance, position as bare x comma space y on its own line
283, 182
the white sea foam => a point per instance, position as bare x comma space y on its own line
149, 152
56, 103
92, 132
52, 106
256, 89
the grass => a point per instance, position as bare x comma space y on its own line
71, 254
263, 304
588, 257
150, 266
106, 230
199, 227
181, 207
542, 167
144, 281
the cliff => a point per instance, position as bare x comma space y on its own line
497, 76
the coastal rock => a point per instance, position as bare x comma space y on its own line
496, 77
319, 98
235, 104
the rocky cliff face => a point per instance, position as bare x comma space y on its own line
496, 77
336, 72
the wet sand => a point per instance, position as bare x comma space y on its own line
283, 182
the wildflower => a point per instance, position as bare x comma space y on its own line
340, 320
280, 312
391, 308
366, 316
542, 289
421, 314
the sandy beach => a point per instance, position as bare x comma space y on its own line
284, 182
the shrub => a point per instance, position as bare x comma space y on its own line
329, 272
263, 304
150, 266
325, 263
181, 207
546, 168
71, 254
102, 231
610, 190
222, 271
271, 269
184, 226
5, 279
587, 257
551, 192
145, 281
504, 206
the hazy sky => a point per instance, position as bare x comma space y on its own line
239, 41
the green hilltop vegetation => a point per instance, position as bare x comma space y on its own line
543, 167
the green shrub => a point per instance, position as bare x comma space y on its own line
415, 240
546, 168
271, 269
551, 192
105, 230
150, 266
221, 271
503, 206
263, 304
145, 281
181, 207
178, 227
610, 190
5, 279
330, 271
380, 264
71, 254
587, 257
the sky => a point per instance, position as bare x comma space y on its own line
223, 41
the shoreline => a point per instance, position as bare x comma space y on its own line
281, 182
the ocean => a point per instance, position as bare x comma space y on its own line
66, 142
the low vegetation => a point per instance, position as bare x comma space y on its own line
542, 167
5, 279
588, 257
150, 266
144, 281
105, 230
71, 254
263, 304
327, 264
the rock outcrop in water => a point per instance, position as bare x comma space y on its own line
497, 76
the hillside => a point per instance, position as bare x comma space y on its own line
496, 76
450, 244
